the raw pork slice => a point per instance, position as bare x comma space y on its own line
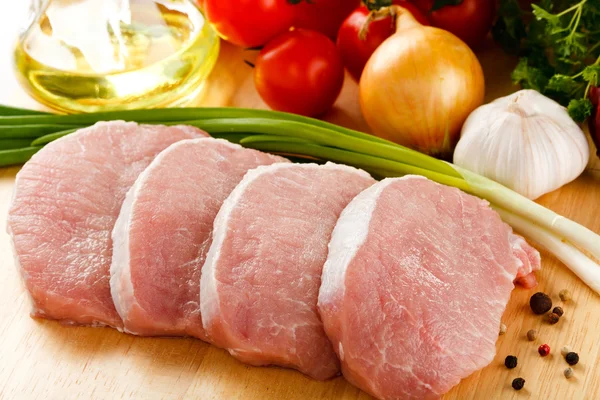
66, 201
163, 232
262, 274
530, 260
416, 280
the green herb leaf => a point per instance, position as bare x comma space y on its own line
573, 44
542, 14
580, 109
591, 73
529, 77
563, 84
560, 48
437, 4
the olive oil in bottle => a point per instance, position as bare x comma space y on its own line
100, 55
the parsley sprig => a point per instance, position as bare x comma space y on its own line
559, 45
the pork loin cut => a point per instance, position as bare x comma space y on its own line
163, 232
262, 274
66, 201
530, 260
416, 281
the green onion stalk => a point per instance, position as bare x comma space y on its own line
24, 132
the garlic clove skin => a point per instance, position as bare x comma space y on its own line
525, 141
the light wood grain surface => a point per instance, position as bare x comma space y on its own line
44, 360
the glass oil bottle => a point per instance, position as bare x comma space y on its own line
101, 55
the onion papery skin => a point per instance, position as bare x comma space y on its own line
419, 87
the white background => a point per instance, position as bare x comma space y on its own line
13, 18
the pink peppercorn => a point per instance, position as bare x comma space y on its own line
544, 350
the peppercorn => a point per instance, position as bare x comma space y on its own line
544, 350
531, 335
502, 329
568, 373
553, 318
565, 350
572, 358
558, 311
540, 303
510, 362
518, 383
564, 295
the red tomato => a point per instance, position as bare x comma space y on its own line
324, 16
249, 23
471, 20
299, 72
356, 52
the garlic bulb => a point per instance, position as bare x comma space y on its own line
524, 141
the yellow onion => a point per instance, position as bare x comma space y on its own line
419, 87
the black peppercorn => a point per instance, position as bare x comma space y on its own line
540, 303
558, 311
553, 318
572, 358
518, 383
510, 362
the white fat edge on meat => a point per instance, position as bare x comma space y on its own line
349, 234
209, 304
519, 244
121, 287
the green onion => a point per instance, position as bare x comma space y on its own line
11, 144
50, 137
6, 110
313, 140
17, 156
323, 136
363, 161
170, 116
30, 131
232, 137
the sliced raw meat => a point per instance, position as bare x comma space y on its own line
530, 259
416, 281
66, 201
262, 274
163, 232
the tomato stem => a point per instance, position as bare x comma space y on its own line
376, 15
374, 5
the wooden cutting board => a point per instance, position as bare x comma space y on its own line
42, 359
